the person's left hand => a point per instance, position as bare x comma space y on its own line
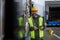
41, 28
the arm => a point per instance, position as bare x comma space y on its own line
31, 28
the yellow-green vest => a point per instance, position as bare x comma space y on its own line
40, 23
21, 24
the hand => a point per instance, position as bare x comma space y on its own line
35, 28
41, 28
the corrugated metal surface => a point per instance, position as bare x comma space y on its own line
1, 17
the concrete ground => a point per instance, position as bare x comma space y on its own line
47, 36
56, 31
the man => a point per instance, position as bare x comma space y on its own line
36, 25
21, 29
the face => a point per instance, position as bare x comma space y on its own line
34, 13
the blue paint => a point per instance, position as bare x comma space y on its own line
53, 23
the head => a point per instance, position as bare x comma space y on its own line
34, 10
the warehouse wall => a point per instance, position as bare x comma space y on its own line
1, 4
0, 18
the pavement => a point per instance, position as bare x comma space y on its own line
56, 31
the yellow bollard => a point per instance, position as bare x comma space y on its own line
50, 32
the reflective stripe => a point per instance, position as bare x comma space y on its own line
40, 21
20, 34
31, 22
41, 33
32, 34
21, 21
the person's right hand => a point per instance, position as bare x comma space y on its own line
35, 28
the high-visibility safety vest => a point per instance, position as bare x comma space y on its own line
21, 24
40, 23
